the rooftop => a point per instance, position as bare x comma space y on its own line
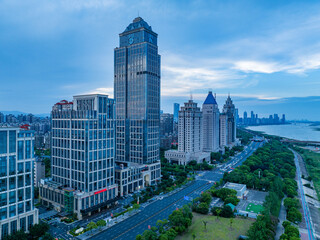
210, 99
138, 23
235, 186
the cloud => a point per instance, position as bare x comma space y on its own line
107, 91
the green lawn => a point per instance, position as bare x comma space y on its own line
254, 208
216, 229
312, 161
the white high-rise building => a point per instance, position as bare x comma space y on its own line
223, 130
17, 211
189, 136
210, 124
189, 127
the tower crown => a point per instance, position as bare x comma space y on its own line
210, 99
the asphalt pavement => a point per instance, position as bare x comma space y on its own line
161, 209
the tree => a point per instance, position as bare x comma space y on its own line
149, 235
47, 236
294, 215
291, 203
291, 231
135, 206
91, 226
218, 211
227, 212
101, 223
179, 221
193, 236
139, 237
206, 197
205, 224
38, 230
233, 200
19, 235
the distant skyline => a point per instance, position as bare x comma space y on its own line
265, 53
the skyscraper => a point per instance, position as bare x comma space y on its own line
176, 107
82, 156
245, 118
229, 110
189, 136
137, 96
210, 124
17, 211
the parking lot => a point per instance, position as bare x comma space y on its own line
252, 196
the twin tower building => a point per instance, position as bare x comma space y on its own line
203, 132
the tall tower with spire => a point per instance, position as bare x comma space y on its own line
210, 124
229, 110
137, 96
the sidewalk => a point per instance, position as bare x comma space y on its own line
282, 218
115, 221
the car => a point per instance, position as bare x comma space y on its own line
160, 198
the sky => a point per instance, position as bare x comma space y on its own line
266, 54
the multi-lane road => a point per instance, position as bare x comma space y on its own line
161, 209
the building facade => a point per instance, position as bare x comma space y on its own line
189, 136
137, 96
82, 156
39, 171
229, 110
176, 107
210, 124
17, 210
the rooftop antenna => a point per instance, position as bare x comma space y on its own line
191, 97
215, 96
138, 14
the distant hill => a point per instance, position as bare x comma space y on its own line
18, 113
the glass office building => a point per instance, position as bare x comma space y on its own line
16, 181
82, 156
137, 96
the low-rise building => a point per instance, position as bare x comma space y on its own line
39, 171
132, 177
240, 188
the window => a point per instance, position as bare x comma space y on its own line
3, 214
28, 149
23, 224
30, 221
12, 197
20, 208
12, 165
13, 226
5, 229
20, 150
20, 168
12, 141
28, 180
12, 183
28, 206
20, 181
12, 211
28, 193
28, 167
3, 166
3, 142
20, 195
3, 199
3, 185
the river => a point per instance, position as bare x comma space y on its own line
297, 131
